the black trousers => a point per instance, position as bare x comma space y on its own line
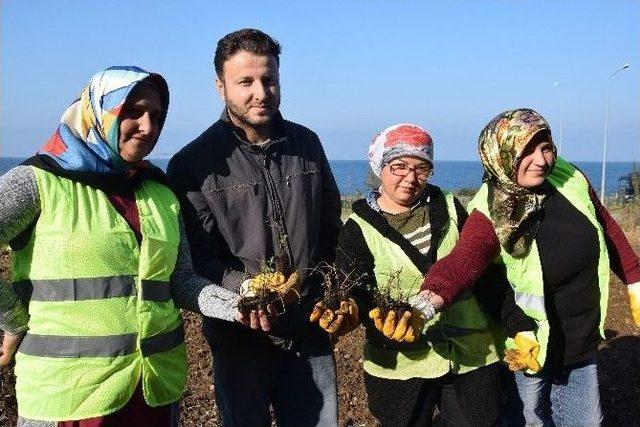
476, 398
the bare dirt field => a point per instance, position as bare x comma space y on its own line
618, 361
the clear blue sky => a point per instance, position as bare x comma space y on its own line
348, 68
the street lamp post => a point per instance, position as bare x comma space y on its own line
606, 129
561, 114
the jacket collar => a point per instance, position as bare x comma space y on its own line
279, 130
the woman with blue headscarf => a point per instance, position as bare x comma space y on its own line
100, 265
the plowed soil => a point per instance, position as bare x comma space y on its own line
618, 361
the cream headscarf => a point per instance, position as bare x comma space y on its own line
513, 208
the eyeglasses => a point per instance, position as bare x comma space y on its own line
420, 171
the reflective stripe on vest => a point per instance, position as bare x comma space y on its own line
162, 342
92, 288
79, 289
61, 346
101, 313
530, 301
154, 290
108, 346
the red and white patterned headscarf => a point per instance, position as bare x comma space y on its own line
399, 140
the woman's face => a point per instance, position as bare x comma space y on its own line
140, 123
404, 180
536, 161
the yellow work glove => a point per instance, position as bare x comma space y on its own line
525, 355
634, 301
405, 328
339, 322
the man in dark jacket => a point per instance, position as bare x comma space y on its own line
254, 186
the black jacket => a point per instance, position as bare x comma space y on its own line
239, 200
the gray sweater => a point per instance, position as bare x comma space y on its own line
20, 206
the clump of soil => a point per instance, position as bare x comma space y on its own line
259, 302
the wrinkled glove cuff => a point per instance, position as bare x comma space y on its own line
634, 301
422, 305
634, 289
244, 288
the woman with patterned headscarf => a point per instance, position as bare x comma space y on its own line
100, 265
414, 359
537, 216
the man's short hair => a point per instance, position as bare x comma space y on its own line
248, 39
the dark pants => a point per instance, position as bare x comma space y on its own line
252, 375
472, 399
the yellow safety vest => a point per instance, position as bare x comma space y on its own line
465, 335
101, 314
525, 274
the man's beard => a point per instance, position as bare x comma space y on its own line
242, 116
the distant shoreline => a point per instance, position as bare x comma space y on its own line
454, 175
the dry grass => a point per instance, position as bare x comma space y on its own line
628, 216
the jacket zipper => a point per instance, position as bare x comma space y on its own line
283, 236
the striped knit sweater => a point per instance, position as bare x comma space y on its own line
414, 226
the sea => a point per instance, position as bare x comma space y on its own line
351, 175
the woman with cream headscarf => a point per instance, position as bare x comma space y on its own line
537, 216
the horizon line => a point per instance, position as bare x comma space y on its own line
365, 160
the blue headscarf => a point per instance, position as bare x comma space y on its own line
87, 137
